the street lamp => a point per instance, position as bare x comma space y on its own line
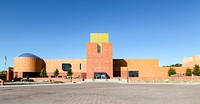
127, 75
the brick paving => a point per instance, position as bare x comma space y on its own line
102, 93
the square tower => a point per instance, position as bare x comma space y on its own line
99, 62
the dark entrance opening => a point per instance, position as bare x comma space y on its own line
31, 74
100, 75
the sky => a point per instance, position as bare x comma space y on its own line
168, 30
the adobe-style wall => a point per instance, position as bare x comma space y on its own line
146, 67
165, 79
53, 64
99, 62
9, 74
188, 62
163, 71
191, 61
49, 79
28, 64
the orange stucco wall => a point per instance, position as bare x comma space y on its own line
28, 64
146, 68
163, 71
94, 63
9, 74
191, 61
53, 64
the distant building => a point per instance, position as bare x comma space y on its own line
191, 61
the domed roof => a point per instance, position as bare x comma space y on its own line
28, 55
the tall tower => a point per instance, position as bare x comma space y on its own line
99, 62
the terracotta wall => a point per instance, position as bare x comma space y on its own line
146, 67
10, 74
99, 62
166, 79
188, 62
28, 64
53, 64
57, 79
163, 71
191, 61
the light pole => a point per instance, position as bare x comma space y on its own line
127, 75
71, 74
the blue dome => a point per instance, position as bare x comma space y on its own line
28, 55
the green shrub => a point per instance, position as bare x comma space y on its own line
2, 76
69, 72
171, 71
196, 70
27, 80
56, 72
43, 73
188, 72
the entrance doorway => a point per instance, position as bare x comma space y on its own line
100, 76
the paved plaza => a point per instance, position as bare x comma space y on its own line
102, 93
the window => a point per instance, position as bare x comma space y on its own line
133, 73
66, 66
98, 48
80, 66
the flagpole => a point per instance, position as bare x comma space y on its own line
5, 59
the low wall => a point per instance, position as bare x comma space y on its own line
131, 79
182, 78
56, 79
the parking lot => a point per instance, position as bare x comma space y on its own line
102, 93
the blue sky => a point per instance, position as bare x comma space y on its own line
55, 29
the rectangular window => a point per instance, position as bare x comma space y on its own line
98, 49
133, 73
80, 66
66, 66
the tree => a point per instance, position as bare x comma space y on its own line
43, 72
196, 70
69, 72
56, 72
171, 71
174, 65
177, 65
188, 72
3, 75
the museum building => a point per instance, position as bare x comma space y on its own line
99, 63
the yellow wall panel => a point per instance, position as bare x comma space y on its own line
99, 37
